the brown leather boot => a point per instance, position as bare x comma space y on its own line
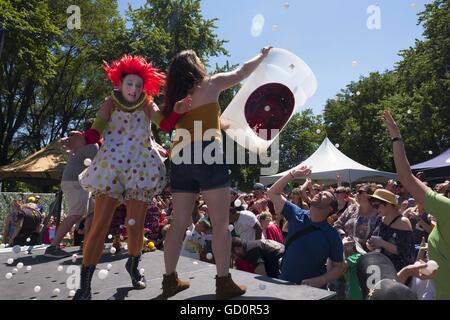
227, 289
171, 285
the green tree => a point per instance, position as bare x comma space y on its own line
162, 28
416, 92
26, 62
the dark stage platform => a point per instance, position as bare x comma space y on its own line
117, 284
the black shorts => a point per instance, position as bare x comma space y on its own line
195, 176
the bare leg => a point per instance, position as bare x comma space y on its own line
65, 227
218, 201
183, 204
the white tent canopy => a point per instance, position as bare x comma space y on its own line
327, 161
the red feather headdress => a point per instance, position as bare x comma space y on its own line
137, 65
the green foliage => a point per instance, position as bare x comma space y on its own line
416, 92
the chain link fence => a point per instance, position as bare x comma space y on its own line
7, 198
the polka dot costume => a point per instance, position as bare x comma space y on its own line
128, 165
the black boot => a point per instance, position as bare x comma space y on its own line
137, 279
84, 293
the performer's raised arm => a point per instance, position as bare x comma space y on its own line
225, 80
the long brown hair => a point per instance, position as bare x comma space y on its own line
185, 72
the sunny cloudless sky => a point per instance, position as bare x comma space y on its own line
329, 35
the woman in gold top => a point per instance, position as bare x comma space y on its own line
199, 130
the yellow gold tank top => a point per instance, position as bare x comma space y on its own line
193, 125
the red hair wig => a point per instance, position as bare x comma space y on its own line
137, 65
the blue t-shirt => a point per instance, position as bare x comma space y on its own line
306, 257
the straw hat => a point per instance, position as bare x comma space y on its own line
385, 195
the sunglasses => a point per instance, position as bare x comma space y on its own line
377, 204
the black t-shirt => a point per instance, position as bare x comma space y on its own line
31, 220
263, 251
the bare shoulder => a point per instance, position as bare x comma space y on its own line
206, 91
403, 224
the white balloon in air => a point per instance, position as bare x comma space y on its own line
209, 256
109, 266
188, 233
230, 227
19, 265
112, 250
87, 162
257, 25
131, 222
10, 261
237, 203
28, 239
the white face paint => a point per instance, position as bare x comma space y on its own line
131, 87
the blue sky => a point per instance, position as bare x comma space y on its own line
327, 34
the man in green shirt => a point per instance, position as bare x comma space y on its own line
436, 204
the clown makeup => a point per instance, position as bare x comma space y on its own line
131, 87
